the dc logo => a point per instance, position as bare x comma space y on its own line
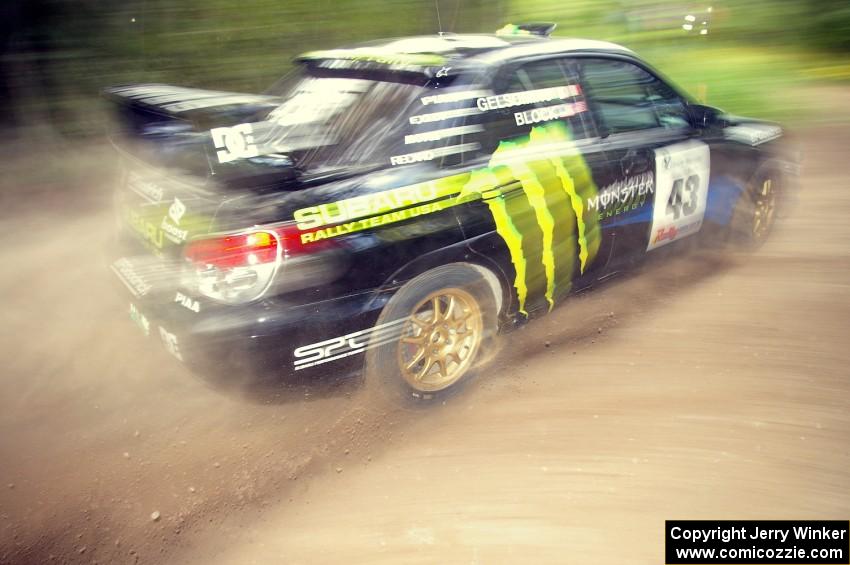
176, 210
236, 142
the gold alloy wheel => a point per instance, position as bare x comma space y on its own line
765, 210
440, 340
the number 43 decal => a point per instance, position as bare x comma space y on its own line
682, 172
676, 206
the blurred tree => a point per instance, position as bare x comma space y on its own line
57, 54
829, 24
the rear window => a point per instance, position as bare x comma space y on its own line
333, 121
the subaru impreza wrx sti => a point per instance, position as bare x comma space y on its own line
396, 204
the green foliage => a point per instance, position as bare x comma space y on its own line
61, 52
829, 24
248, 45
757, 57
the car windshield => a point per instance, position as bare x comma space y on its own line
332, 121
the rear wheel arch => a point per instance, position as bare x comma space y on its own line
496, 284
455, 255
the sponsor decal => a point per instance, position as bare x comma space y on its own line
681, 191
526, 97
176, 210
155, 225
147, 230
374, 222
431, 154
453, 97
125, 271
235, 142
623, 195
439, 134
144, 188
187, 302
175, 214
347, 345
538, 203
374, 210
170, 342
369, 204
549, 113
140, 320
172, 232
672, 233
145, 220
444, 115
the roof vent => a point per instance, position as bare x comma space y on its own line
540, 29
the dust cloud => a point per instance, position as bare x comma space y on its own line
711, 386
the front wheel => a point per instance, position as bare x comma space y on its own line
447, 315
756, 211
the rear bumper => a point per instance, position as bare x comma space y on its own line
257, 339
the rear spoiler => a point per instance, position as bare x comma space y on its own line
415, 66
176, 100
376, 55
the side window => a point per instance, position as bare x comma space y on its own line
628, 98
532, 95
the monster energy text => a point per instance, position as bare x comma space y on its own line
623, 195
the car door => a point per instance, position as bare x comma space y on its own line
537, 160
656, 184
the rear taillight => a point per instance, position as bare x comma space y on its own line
241, 250
235, 268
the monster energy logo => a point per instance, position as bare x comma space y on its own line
624, 195
538, 203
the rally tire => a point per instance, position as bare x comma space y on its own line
450, 315
757, 209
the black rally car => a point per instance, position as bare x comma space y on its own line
397, 203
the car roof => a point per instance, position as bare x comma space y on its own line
428, 50
551, 46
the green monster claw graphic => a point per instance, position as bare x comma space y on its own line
536, 194
481, 181
553, 187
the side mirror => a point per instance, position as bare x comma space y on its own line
703, 117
